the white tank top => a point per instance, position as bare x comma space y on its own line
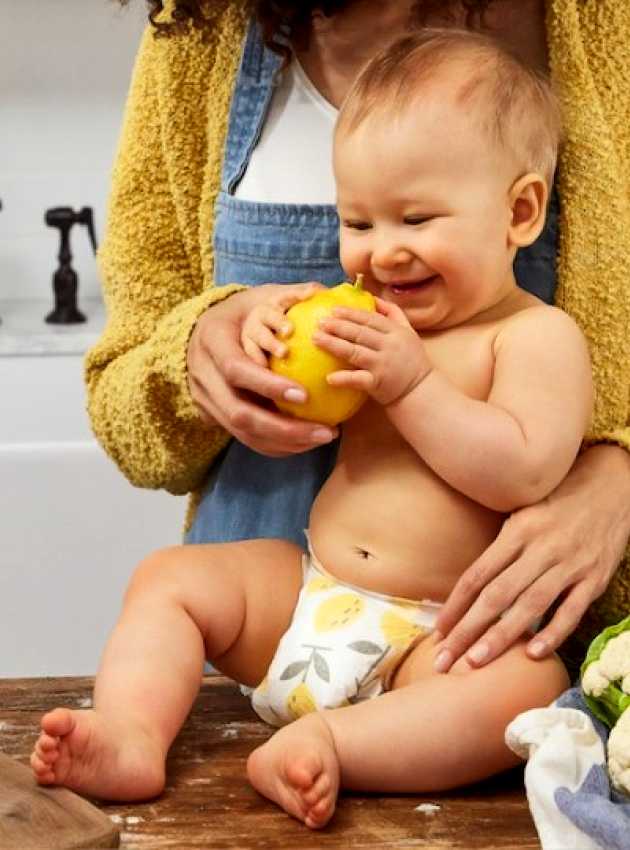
292, 162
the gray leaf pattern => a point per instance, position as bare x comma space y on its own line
293, 669
321, 667
365, 647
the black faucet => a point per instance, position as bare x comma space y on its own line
65, 279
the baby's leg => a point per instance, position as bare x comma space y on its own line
183, 605
431, 733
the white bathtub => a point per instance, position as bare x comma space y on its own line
71, 527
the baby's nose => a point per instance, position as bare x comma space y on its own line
391, 256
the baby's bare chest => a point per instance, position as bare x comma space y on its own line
464, 356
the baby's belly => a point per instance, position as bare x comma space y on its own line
386, 522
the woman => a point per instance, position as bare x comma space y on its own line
192, 206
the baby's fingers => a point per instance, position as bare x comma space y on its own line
298, 292
266, 340
355, 379
252, 350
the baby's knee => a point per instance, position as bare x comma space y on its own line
524, 682
157, 571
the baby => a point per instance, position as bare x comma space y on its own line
479, 397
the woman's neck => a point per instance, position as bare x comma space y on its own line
341, 45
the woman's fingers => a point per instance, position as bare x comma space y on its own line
264, 430
503, 610
221, 376
523, 615
564, 621
502, 552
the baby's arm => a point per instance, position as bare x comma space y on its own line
507, 451
514, 448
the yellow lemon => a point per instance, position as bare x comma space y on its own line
300, 701
338, 612
398, 631
309, 365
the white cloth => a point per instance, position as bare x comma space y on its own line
562, 747
292, 161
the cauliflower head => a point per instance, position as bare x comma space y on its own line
606, 686
605, 673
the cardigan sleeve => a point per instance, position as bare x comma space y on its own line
588, 44
138, 399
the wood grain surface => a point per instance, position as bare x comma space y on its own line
32, 817
208, 802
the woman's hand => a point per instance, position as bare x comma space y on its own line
230, 389
563, 550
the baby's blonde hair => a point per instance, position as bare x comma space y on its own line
511, 102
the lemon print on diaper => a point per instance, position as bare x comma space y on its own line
300, 701
319, 583
338, 611
398, 631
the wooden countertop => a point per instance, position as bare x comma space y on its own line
208, 802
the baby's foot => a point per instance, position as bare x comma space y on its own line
298, 769
90, 754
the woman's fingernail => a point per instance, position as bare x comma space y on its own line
478, 653
538, 648
297, 396
322, 435
443, 661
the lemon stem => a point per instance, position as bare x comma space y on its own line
358, 284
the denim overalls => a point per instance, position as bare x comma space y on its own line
247, 494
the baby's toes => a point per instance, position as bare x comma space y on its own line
320, 788
47, 747
58, 722
43, 771
319, 814
304, 772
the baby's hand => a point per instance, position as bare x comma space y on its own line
258, 333
386, 355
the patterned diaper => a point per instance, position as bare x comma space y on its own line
343, 645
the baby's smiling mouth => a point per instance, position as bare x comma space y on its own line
398, 288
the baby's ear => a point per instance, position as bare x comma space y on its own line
528, 205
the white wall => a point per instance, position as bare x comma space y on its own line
64, 71
71, 527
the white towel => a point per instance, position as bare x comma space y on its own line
560, 746
568, 788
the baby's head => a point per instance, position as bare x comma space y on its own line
444, 155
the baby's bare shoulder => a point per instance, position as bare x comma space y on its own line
540, 324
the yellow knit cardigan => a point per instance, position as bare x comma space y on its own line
156, 258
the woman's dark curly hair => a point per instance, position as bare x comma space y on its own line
286, 17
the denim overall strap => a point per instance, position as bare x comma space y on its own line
254, 88
248, 495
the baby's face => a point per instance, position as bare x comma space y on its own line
424, 210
